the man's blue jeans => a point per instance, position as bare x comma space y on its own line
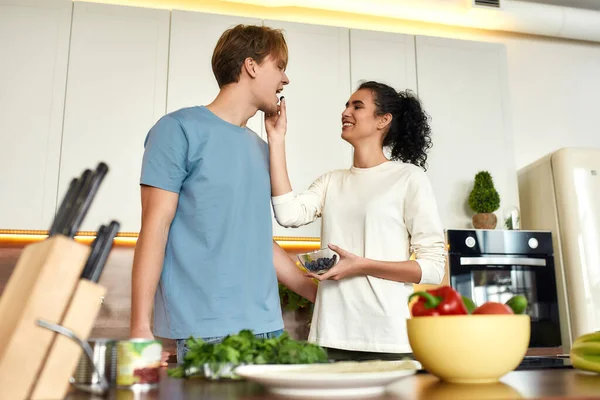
182, 347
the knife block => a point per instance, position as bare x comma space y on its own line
41, 287
64, 354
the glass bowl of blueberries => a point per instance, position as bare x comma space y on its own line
319, 261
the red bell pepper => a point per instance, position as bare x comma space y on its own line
440, 301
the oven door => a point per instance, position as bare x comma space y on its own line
497, 278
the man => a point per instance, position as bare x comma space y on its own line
205, 253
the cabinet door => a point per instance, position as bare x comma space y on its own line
34, 48
463, 86
193, 39
116, 91
384, 57
319, 73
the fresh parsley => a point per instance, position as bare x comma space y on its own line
245, 348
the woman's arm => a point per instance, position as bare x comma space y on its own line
426, 239
290, 209
294, 210
276, 127
424, 226
353, 265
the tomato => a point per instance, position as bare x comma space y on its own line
493, 308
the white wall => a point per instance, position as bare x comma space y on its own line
554, 89
553, 82
34, 49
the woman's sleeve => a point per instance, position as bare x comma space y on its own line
422, 219
294, 210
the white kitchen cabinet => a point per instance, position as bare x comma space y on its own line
116, 91
463, 86
34, 50
384, 57
319, 73
193, 39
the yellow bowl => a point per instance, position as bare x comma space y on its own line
464, 391
469, 348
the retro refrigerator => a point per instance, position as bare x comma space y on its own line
561, 193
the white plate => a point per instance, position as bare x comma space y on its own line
341, 379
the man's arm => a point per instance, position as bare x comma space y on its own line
158, 210
291, 276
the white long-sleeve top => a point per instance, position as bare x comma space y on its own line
382, 213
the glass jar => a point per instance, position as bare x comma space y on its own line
512, 218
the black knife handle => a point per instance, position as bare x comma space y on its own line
65, 205
105, 249
71, 206
73, 210
86, 198
94, 253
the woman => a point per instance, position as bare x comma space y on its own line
374, 215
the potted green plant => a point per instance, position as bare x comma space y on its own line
291, 301
484, 200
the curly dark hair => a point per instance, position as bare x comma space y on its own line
409, 135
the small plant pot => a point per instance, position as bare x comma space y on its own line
485, 221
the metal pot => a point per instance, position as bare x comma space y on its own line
104, 353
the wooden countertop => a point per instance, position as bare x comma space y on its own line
533, 384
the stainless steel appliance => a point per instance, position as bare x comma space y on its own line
494, 265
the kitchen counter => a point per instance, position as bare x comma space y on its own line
533, 384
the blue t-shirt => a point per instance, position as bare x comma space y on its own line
218, 275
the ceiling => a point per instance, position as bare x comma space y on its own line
585, 4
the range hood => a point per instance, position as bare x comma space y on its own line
535, 17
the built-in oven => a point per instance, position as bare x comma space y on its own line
494, 265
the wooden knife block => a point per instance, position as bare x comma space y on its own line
61, 362
45, 284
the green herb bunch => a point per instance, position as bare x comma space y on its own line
245, 348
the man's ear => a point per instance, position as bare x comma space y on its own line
250, 67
